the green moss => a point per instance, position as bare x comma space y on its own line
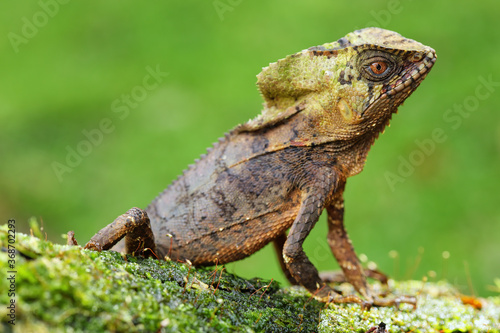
440, 309
63, 288
67, 288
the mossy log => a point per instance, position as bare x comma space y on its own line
61, 288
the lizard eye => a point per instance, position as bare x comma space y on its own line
378, 67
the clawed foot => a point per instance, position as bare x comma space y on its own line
339, 277
397, 301
378, 302
339, 299
367, 302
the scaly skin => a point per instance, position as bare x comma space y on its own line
323, 109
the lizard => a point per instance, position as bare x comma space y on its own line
269, 179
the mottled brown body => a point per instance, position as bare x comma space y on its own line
324, 108
238, 198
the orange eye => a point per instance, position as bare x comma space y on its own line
378, 67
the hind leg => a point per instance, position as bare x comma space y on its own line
134, 225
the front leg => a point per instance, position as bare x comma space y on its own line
343, 251
134, 226
342, 248
302, 270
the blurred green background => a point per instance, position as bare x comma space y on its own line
67, 66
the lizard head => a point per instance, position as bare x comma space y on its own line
353, 85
